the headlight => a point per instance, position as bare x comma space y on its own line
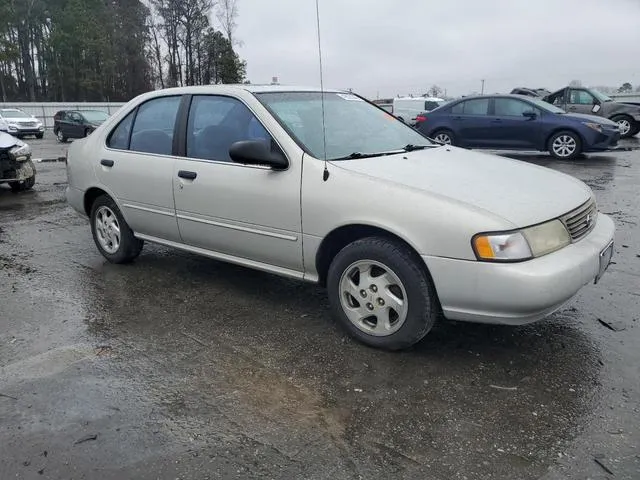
594, 126
522, 244
12, 127
20, 153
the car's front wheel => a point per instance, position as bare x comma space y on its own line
626, 125
39, 136
111, 234
565, 145
381, 293
60, 136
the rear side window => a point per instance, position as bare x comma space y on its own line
458, 108
119, 137
154, 125
478, 106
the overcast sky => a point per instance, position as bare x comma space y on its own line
389, 47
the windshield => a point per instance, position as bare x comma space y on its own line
600, 96
13, 114
94, 115
352, 124
545, 106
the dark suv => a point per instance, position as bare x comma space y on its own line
76, 123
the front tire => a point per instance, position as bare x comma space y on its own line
565, 145
60, 136
626, 125
39, 136
381, 294
111, 234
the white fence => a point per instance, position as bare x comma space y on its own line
626, 97
46, 111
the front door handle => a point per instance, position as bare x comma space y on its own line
106, 163
186, 174
496, 120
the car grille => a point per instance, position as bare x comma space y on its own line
582, 220
27, 124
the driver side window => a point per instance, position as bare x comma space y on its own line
217, 122
581, 97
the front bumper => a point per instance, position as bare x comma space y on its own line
518, 293
23, 171
25, 130
601, 141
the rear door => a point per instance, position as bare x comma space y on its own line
137, 167
511, 128
472, 123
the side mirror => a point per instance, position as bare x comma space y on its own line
257, 152
596, 108
530, 114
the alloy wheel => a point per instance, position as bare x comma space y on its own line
107, 229
564, 146
373, 298
625, 126
443, 137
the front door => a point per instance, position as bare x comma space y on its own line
138, 164
581, 101
238, 211
513, 129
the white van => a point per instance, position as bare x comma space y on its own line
408, 108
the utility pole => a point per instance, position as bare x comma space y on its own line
482, 91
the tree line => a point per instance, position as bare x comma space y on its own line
113, 50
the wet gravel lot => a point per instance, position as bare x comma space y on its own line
183, 367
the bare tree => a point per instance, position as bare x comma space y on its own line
226, 13
435, 91
575, 83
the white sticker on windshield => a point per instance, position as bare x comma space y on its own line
350, 97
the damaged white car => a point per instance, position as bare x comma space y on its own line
16, 167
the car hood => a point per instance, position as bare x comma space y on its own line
583, 117
520, 193
8, 141
19, 119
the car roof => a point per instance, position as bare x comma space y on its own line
10, 110
253, 88
497, 95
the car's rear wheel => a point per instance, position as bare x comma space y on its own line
565, 145
626, 125
444, 136
87, 132
111, 234
381, 294
60, 136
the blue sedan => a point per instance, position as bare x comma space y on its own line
516, 122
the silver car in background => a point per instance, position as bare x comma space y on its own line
401, 231
20, 124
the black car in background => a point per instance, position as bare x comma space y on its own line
76, 123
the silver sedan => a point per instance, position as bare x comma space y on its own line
329, 188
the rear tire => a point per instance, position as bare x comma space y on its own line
111, 234
381, 293
565, 145
444, 136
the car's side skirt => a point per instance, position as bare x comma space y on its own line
245, 262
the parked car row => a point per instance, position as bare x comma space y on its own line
67, 123
518, 122
323, 186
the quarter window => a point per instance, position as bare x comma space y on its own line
119, 137
153, 128
216, 122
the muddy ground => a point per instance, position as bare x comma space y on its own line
180, 367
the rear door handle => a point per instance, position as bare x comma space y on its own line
496, 120
106, 163
186, 174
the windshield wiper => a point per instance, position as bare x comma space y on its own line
355, 155
411, 148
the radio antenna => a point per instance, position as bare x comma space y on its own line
325, 173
